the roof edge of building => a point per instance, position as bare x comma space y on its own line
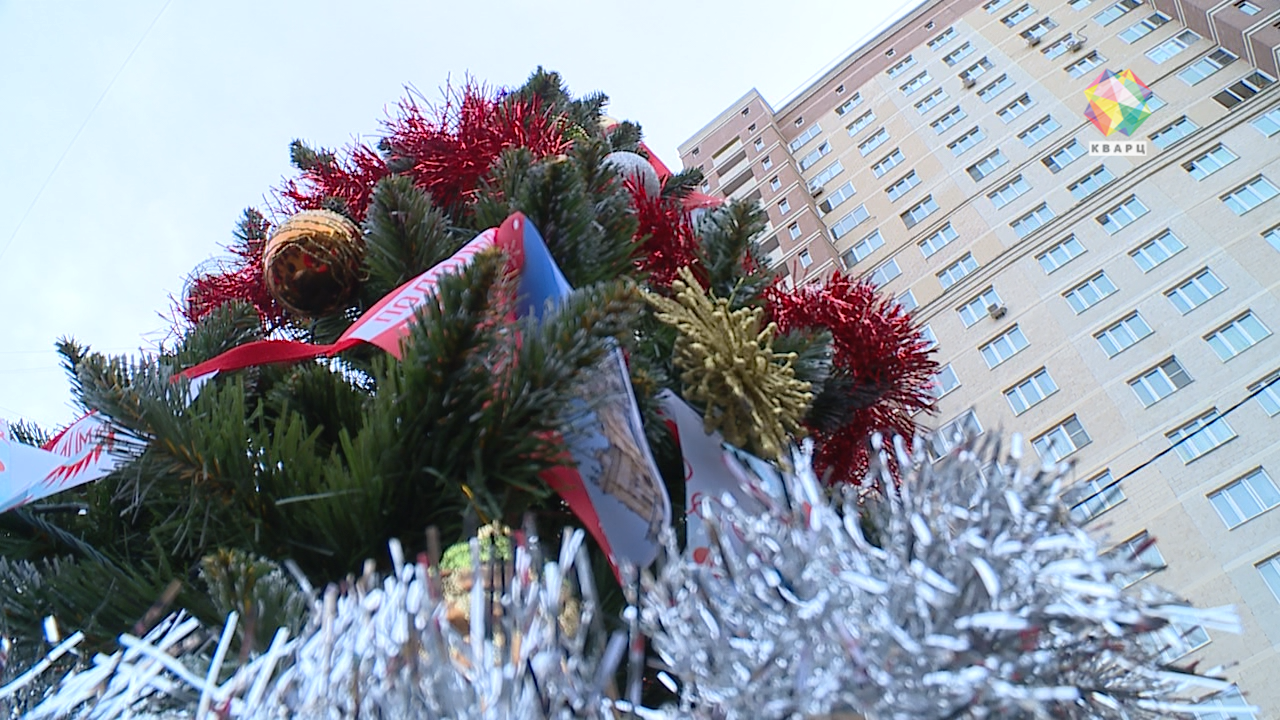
720, 119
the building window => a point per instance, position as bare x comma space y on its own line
1210, 163
1039, 30
1018, 15
915, 83
944, 123
943, 382
1160, 382
1122, 215
1270, 570
1028, 223
1143, 27
814, 156
1201, 69
935, 242
1243, 89
931, 101
1094, 496
1195, 291
836, 197
907, 301
1267, 393
997, 86
1141, 550
955, 56
758, 144
1237, 336
950, 435
1091, 183
1248, 8
784, 207
1175, 640
862, 122
901, 187
1154, 103
1064, 156
975, 71
1250, 195
901, 67
930, 340
1061, 46
1039, 131
793, 230
803, 138
1060, 254
1115, 12
1061, 440
1200, 436
966, 141
1268, 124
1082, 66
919, 211
1246, 498
1272, 237
866, 246
1228, 699
855, 218
880, 137
826, 175
805, 259
1015, 108
1173, 132
1156, 250
957, 270
1172, 47
766, 163
986, 165
992, 5
1004, 346
1080, 4
887, 163
1008, 192
886, 272
979, 307
1030, 392
849, 104
1123, 334
943, 38
1090, 292
774, 183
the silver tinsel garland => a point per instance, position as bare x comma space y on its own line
969, 593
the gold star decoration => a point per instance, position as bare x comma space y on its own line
728, 365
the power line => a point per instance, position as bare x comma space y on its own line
66, 151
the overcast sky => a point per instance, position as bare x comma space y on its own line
133, 133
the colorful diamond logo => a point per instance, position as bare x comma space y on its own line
1117, 102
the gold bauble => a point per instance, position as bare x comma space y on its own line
311, 263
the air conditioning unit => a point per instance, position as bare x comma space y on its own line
996, 311
969, 82
1033, 41
1075, 44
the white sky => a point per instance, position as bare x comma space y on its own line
133, 133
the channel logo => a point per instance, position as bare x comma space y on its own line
1117, 104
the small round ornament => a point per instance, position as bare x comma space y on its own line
632, 166
311, 263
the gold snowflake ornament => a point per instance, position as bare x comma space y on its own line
728, 365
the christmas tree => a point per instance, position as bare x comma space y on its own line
510, 314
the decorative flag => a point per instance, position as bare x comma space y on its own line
613, 484
1117, 102
75, 456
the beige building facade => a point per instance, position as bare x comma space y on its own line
1119, 312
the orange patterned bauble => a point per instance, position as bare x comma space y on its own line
312, 262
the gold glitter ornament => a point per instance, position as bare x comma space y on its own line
311, 263
728, 364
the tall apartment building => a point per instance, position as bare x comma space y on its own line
1118, 312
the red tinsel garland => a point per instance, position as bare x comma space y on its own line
878, 346
669, 242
